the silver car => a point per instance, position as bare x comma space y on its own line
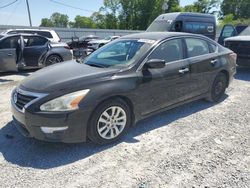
24, 51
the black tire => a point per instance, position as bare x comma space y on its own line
53, 59
218, 88
94, 123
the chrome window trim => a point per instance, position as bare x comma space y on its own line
26, 93
181, 38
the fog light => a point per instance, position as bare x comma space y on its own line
49, 130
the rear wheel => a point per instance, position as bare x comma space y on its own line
218, 88
53, 59
109, 122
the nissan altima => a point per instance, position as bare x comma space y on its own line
126, 80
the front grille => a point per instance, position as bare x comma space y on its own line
22, 100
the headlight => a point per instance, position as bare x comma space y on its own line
66, 102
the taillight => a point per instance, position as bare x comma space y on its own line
233, 56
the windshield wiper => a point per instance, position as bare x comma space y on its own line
96, 65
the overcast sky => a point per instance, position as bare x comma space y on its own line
16, 14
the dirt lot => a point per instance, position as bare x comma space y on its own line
196, 145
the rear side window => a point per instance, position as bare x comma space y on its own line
198, 27
10, 42
196, 47
45, 34
34, 41
169, 51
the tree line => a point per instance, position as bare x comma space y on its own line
138, 14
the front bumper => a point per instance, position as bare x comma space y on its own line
29, 124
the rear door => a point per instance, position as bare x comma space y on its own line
202, 58
8, 57
35, 49
227, 31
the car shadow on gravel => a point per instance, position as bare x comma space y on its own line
243, 73
28, 152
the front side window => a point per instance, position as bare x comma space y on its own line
10, 42
196, 47
169, 51
119, 54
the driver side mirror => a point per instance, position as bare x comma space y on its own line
155, 64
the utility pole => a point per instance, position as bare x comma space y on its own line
28, 8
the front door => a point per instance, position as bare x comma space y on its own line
227, 31
8, 53
35, 48
166, 86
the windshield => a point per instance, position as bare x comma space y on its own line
1, 36
121, 53
160, 25
245, 32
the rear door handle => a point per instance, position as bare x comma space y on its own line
10, 54
183, 71
214, 61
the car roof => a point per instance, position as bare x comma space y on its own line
175, 14
158, 35
19, 34
25, 29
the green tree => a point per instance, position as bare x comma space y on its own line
238, 8
205, 6
46, 22
99, 19
82, 22
59, 20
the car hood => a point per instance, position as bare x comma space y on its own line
238, 38
98, 41
65, 76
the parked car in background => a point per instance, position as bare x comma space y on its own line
241, 46
24, 51
50, 34
81, 42
95, 44
124, 81
197, 23
229, 30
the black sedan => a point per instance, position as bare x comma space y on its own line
25, 51
119, 84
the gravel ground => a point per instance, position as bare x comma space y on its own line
197, 145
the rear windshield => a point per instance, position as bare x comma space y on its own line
245, 32
1, 36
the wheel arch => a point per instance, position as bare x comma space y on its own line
226, 73
119, 97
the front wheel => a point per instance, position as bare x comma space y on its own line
218, 88
109, 121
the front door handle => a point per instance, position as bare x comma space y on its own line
214, 61
10, 54
183, 71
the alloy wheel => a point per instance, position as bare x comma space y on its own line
111, 122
